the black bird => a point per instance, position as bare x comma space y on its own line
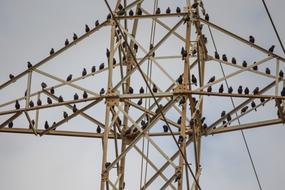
203, 119
141, 90
253, 105
140, 102
139, 11
168, 11
46, 125
267, 71
98, 130
180, 79
205, 126
271, 49
75, 37
283, 92
109, 16
84, 72
10, 125
87, 29
31, 104
29, 64
256, 91
194, 5
39, 102
262, 100
209, 89
180, 139
114, 61
11, 76
85, 95
60, 99
230, 90
66, 42
157, 11
229, 118
217, 56
43, 85
51, 51
17, 105
97, 23
131, 12
239, 90
101, 66
102, 91
179, 120
69, 78
251, 39
194, 79
244, 64
93, 69
143, 124
212, 79
234, 61
75, 96
207, 17
244, 109
154, 88
224, 57
49, 101
223, 113
65, 115
74, 108
246, 90
131, 90
136, 47
221, 89
178, 10
165, 128
281, 74
52, 90
255, 68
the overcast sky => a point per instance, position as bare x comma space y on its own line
30, 28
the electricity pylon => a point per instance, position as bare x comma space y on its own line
134, 116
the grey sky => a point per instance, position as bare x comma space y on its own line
30, 28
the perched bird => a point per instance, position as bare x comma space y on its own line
223, 113
244, 64
109, 16
141, 90
283, 92
136, 47
256, 91
11, 76
194, 5
87, 29
17, 105
194, 79
179, 120
85, 95
209, 89
39, 102
253, 105
217, 56
139, 11
66, 42
60, 99
224, 57
251, 39
165, 128
158, 11
75, 96
98, 129
140, 102
49, 101
131, 12
178, 10
212, 79
221, 89
207, 17
180, 79
131, 90
46, 125
244, 109
262, 100
102, 91
267, 71
52, 90
51, 51
84, 72
230, 90
93, 69
255, 67
281, 74
43, 85
229, 118
69, 78
246, 90
74, 108
168, 11
205, 126
31, 104
29, 64
234, 61
143, 124
154, 88
271, 49
75, 37
97, 23
239, 90
180, 139
203, 119
101, 66
10, 125
65, 115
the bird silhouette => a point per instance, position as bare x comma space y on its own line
75, 37
65, 115
98, 129
46, 125
256, 91
97, 23
10, 125
11, 76
230, 90
85, 95
39, 102
102, 91
43, 85
131, 13
84, 72
229, 118
31, 104
93, 69
262, 100
234, 61
109, 16
212, 79
131, 90
267, 71
165, 128
17, 105
140, 102
251, 39
52, 90
141, 90
255, 67
244, 64
271, 49
60, 99
224, 57
217, 56
283, 92
281, 74
87, 29
158, 11
194, 79
243, 110
246, 90
180, 79
179, 120
29, 65
253, 105
178, 10
168, 10
75, 96
223, 113
69, 78
101, 66
209, 89
154, 88
239, 90
74, 108
136, 47
221, 89
207, 17
51, 51
66, 42
49, 101
203, 119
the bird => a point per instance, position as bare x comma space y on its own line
244, 64
223, 113
224, 57
207, 17
267, 71
194, 79
52, 90
283, 92
178, 10
75, 96
157, 11
46, 125
234, 61
93, 69
180, 79
168, 10
154, 88
212, 79
69, 78
221, 89
140, 102
101, 66
10, 125
143, 124
109, 16
179, 120
209, 89
98, 129
281, 74
29, 64
255, 67
262, 100
229, 118
31, 104
230, 90
180, 139
251, 39
271, 49
102, 91
43, 85
205, 126
85, 95
217, 56
65, 115
165, 128
136, 47
17, 105
256, 91
253, 105
74, 108
87, 29
131, 90
244, 109
141, 90
203, 119
194, 5
51, 51
246, 90
49, 101
39, 102
66, 42
97, 23
11, 76
239, 90
139, 11
84, 72
114, 61
60, 99
131, 13
75, 37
